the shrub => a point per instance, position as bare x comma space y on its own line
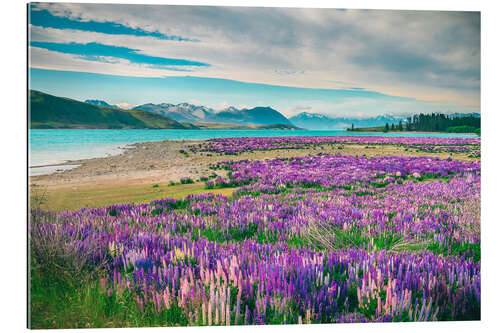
187, 180
71, 254
461, 129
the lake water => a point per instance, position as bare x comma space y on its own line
52, 146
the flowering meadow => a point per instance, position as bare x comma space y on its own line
234, 146
316, 239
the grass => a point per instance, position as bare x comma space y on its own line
68, 198
56, 303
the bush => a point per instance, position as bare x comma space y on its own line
75, 257
38, 196
187, 180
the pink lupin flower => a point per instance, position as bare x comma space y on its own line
388, 300
140, 303
103, 283
158, 302
406, 298
372, 287
166, 298
209, 314
379, 306
203, 314
222, 311
237, 315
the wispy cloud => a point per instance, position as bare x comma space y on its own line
420, 55
43, 18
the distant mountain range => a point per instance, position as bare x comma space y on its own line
100, 103
185, 112
47, 111
317, 121
245, 127
462, 115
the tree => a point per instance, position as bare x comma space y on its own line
352, 127
400, 125
408, 124
438, 122
392, 127
386, 127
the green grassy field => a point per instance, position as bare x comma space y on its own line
69, 198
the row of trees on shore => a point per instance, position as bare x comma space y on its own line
439, 122
435, 122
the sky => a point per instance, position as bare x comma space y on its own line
355, 63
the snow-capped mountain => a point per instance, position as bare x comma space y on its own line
319, 121
258, 115
101, 103
189, 113
186, 112
181, 112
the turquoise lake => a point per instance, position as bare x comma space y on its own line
53, 146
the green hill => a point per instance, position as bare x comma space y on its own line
47, 111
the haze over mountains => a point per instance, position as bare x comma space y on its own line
321, 122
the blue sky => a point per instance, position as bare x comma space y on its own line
340, 63
101, 52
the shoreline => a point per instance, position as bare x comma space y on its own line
121, 147
110, 151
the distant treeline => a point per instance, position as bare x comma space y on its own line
434, 122
438, 122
